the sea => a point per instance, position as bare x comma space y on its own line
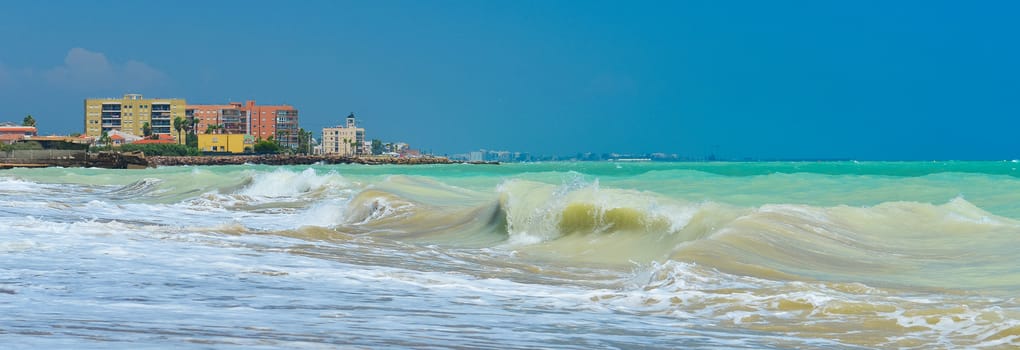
558, 255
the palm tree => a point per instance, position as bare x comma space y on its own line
104, 139
189, 124
146, 130
191, 135
28, 121
304, 141
211, 128
282, 136
179, 126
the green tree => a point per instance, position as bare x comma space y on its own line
281, 135
22, 145
267, 147
212, 128
190, 135
179, 126
104, 140
189, 125
146, 130
304, 141
28, 121
161, 149
377, 147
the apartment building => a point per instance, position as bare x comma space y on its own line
130, 113
279, 122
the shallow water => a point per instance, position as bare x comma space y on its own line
554, 255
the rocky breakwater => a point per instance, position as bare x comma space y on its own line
281, 159
117, 160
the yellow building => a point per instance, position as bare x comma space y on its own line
232, 143
130, 113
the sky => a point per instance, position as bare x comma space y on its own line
895, 80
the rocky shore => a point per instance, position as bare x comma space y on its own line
281, 159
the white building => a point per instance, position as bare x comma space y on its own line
346, 140
476, 156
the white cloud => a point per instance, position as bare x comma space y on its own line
86, 69
143, 73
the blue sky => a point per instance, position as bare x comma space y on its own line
787, 79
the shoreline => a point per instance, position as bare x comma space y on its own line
133, 160
286, 159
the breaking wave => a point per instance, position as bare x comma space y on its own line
904, 273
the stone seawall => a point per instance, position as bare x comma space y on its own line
71, 159
280, 159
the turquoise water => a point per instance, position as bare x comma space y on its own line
545, 255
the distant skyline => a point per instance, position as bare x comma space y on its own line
779, 79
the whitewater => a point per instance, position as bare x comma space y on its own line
568, 255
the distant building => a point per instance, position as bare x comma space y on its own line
476, 156
345, 140
11, 133
130, 113
279, 122
227, 143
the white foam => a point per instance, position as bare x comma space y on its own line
11, 184
325, 213
284, 183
